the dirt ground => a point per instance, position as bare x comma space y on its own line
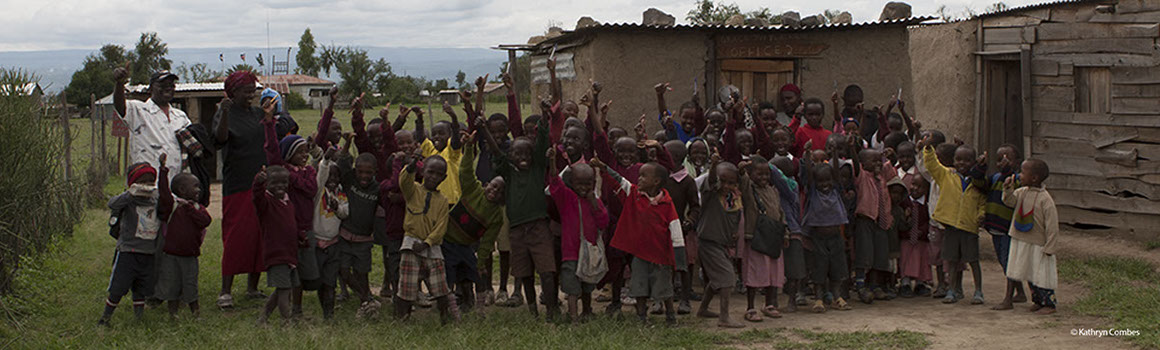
957, 326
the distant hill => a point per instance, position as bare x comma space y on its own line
55, 68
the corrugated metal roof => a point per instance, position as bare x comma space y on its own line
184, 87
294, 79
1036, 7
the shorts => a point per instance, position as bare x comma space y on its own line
132, 271
460, 263
380, 227
1002, 243
532, 249
717, 264
328, 262
649, 280
307, 260
355, 255
414, 269
178, 278
570, 283
795, 260
829, 259
960, 246
282, 276
871, 245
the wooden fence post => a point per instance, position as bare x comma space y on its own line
92, 129
67, 137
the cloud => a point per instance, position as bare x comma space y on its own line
85, 24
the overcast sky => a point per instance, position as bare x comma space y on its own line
88, 24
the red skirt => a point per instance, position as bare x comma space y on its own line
241, 235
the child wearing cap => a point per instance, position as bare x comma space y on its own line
134, 223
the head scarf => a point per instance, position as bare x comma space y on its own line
239, 78
271, 93
289, 145
791, 87
690, 168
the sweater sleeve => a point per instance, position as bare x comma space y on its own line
938, 172
1050, 224
731, 153
270, 146
469, 184
324, 128
515, 121
165, 196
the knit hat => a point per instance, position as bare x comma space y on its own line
289, 145
137, 170
849, 120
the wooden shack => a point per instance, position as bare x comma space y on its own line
1077, 84
756, 59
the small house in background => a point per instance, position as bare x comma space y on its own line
314, 90
490, 91
451, 96
1075, 83
757, 58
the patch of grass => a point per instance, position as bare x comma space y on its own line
1123, 290
1150, 245
60, 295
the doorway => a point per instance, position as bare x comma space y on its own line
757, 79
1003, 107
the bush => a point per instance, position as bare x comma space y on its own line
36, 202
295, 101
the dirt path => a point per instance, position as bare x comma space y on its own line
960, 325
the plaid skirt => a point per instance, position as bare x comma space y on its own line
414, 269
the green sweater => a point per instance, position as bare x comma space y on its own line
474, 218
525, 188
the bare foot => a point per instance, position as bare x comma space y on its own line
1035, 307
1003, 306
1019, 299
1045, 311
707, 314
729, 324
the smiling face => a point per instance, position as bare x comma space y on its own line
570, 109
364, 170
440, 133
906, 155
727, 177
575, 142
813, 112
716, 120
494, 191
521, 153
186, 186
834, 147
334, 135
897, 193
789, 101
870, 160
745, 141
688, 119
277, 181
434, 172
626, 153
769, 119
919, 187
300, 156
581, 179
375, 134
851, 128
760, 173
162, 91
780, 139
698, 154
243, 95
498, 128
1008, 153
333, 180
406, 141
530, 129
651, 178
964, 159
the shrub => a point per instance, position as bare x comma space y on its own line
295, 101
36, 202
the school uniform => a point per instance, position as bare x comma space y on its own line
184, 234
426, 222
822, 218
302, 189
650, 230
579, 219
356, 233
871, 221
280, 237
527, 209
326, 226
473, 225
133, 264
757, 269
914, 261
795, 254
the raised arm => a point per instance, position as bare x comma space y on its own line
731, 154
121, 77
557, 88
270, 146
324, 123
165, 196
762, 140
420, 133
515, 120
468, 182
454, 139
222, 120
361, 140
401, 120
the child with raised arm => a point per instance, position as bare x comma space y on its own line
582, 217
473, 225
1034, 233
650, 230
444, 142
794, 252
690, 113
330, 208
717, 231
682, 188
360, 180
281, 238
185, 222
292, 153
813, 130
872, 220
997, 218
426, 225
960, 210
914, 260
136, 224
823, 216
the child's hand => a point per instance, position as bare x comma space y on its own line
348, 136
596, 86
651, 143
744, 165
662, 88
481, 81
357, 103
466, 138
161, 160
385, 112
586, 99
596, 163
551, 64
269, 107
1004, 162
715, 158
447, 106
261, 176
508, 83
604, 111
800, 108
1009, 183
419, 247
121, 74
834, 98
982, 160
480, 124
330, 154
551, 154
958, 141
333, 95
887, 153
639, 128
809, 145
226, 103
404, 111
417, 110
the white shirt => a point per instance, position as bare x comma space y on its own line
151, 132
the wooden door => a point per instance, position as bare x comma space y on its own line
758, 79
1003, 107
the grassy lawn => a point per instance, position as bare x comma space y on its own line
1123, 290
60, 295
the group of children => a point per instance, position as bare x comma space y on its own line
757, 199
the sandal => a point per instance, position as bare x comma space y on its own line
771, 312
818, 306
225, 301
751, 315
840, 304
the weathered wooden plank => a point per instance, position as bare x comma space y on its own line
1076, 148
1152, 121
767, 66
1011, 35
1135, 75
1144, 150
1095, 200
1088, 132
1001, 47
1113, 45
1045, 67
1139, 17
1053, 98
1062, 80
1124, 220
1066, 69
1135, 91
1071, 31
1095, 183
1066, 15
1076, 165
1135, 105
1136, 6
1015, 20
1104, 59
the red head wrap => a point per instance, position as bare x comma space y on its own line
238, 78
790, 87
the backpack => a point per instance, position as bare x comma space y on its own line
590, 263
770, 235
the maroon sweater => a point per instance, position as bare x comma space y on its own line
280, 234
185, 223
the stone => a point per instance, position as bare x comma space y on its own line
791, 19
554, 32
895, 10
735, 20
654, 17
756, 22
811, 21
844, 18
586, 22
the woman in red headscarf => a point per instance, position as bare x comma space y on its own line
239, 136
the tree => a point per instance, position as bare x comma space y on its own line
96, 76
996, 7
241, 67
307, 62
357, 71
441, 84
707, 12
460, 80
149, 57
196, 73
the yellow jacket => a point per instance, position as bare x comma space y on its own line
450, 186
427, 211
958, 206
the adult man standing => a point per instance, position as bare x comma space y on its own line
153, 124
